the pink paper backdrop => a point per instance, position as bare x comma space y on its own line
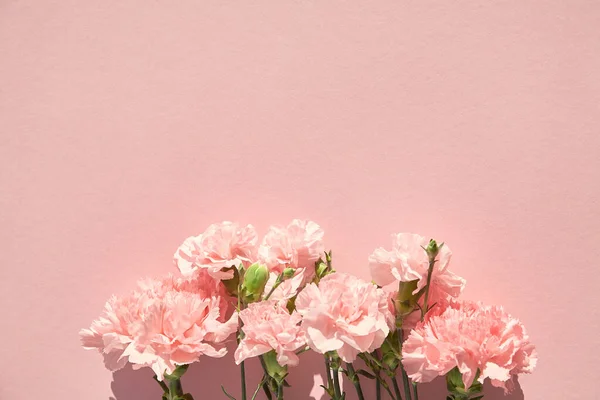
127, 126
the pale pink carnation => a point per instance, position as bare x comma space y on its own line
345, 314
472, 337
408, 261
267, 326
299, 245
221, 246
162, 324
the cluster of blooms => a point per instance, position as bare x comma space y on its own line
281, 296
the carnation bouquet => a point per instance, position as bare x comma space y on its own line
280, 297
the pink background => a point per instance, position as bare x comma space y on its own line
127, 126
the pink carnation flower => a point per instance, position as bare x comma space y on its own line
269, 326
472, 337
345, 314
299, 245
162, 324
408, 261
221, 246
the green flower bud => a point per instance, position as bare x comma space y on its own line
321, 269
433, 249
255, 279
390, 350
274, 370
288, 273
405, 302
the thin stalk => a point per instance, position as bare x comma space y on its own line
415, 391
387, 388
355, 381
162, 384
262, 382
405, 381
275, 286
243, 379
266, 383
396, 388
377, 385
406, 384
239, 338
336, 385
328, 371
426, 299
280, 391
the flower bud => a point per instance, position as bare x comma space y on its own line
274, 370
433, 249
255, 279
321, 269
405, 301
288, 273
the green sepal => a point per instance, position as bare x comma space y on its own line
232, 284
275, 371
178, 373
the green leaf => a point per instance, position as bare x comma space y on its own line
365, 374
227, 394
329, 391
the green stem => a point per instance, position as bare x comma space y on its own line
415, 391
175, 389
426, 299
239, 338
243, 378
387, 388
406, 384
260, 385
328, 371
405, 381
336, 384
266, 383
280, 391
275, 286
396, 388
355, 381
162, 384
378, 385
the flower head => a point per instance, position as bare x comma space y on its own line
408, 261
345, 314
297, 246
269, 326
220, 247
471, 337
162, 324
